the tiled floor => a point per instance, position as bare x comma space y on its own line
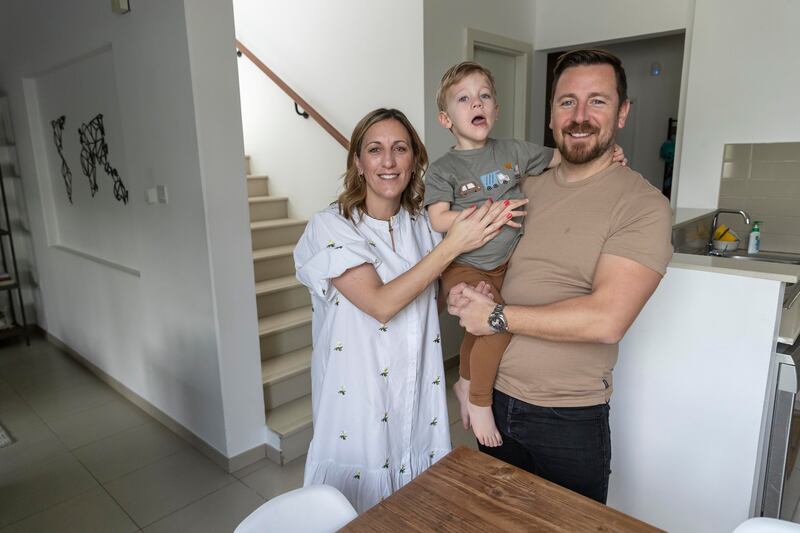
87, 460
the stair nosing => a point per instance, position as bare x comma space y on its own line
276, 223
270, 252
257, 176
273, 285
265, 199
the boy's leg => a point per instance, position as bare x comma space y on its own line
452, 276
487, 350
484, 359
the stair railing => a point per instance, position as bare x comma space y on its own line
309, 110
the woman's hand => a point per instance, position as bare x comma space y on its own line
475, 226
619, 156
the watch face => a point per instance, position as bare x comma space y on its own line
497, 320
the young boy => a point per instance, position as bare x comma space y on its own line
476, 169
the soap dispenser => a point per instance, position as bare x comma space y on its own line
754, 244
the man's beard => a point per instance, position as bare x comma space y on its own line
583, 152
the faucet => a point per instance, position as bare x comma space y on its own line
710, 246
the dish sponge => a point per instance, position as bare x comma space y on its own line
725, 234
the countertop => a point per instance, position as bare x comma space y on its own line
737, 267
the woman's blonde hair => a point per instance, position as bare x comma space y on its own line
354, 193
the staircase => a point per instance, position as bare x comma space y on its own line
284, 318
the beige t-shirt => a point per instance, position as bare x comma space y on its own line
567, 227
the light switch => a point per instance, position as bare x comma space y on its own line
162, 193
151, 196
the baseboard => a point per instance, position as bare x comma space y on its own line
229, 464
273, 454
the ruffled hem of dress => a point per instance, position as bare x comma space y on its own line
365, 488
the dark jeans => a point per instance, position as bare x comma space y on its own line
570, 446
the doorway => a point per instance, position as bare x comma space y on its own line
653, 68
508, 60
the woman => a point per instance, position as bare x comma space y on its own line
370, 261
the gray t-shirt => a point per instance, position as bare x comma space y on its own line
469, 177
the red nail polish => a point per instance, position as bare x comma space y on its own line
506, 203
472, 206
508, 215
490, 200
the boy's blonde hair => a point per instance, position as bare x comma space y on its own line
455, 74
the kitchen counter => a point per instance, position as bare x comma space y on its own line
737, 267
694, 388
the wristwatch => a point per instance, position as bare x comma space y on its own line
497, 320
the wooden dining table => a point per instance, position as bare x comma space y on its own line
470, 491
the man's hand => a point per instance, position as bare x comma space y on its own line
472, 307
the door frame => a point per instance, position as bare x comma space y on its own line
522, 53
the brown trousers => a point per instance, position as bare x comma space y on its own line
480, 356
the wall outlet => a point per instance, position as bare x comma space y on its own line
150, 196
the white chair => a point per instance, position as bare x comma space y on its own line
767, 525
312, 509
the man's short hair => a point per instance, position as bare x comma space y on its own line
587, 57
455, 74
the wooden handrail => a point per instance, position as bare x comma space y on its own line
341, 139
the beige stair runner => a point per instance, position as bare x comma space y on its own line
284, 318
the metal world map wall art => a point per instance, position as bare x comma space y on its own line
94, 150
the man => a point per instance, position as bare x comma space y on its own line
596, 244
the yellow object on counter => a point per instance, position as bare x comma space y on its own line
725, 234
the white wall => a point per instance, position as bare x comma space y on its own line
742, 80
166, 329
567, 23
345, 58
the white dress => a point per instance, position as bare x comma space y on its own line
378, 390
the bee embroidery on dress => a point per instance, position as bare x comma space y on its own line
383, 328
336, 302
402, 469
357, 474
437, 340
437, 381
435, 420
385, 417
386, 463
430, 455
385, 372
372, 243
342, 390
331, 244
339, 346
343, 435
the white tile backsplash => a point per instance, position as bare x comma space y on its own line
764, 180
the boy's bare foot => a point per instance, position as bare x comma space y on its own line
483, 426
461, 389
